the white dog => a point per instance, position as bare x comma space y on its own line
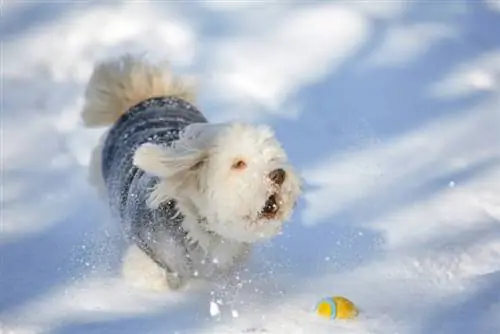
193, 196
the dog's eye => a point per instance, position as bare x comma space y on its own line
239, 164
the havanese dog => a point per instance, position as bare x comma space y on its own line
193, 196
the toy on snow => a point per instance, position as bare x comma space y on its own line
336, 308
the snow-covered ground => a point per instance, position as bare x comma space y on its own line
390, 110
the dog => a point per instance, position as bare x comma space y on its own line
193, 196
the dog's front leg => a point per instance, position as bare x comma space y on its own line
139, 270
160, 263
176, 262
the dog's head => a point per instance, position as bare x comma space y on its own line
235, 176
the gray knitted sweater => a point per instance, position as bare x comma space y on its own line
156, 120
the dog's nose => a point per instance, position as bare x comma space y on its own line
277, 176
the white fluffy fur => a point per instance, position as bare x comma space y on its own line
118, 84
140, 271
197, 170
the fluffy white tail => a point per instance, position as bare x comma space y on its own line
118, 84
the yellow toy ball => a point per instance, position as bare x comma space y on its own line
336, 308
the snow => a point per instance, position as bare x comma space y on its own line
406, 43
262, 64
214, 309
390, 111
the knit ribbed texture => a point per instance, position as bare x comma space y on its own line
157, 120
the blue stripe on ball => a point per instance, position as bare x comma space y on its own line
331, 303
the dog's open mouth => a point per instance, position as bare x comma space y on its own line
271, 207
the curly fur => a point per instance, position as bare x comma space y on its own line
118, 84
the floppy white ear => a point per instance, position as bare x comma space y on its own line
185, 154
180, 165
149, 157
163, 161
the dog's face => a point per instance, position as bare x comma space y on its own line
236, 176
248, 188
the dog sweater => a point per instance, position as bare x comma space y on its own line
156, 120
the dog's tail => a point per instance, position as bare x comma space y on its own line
118, 84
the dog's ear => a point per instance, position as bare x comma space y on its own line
185, 154
180, 165
165, 162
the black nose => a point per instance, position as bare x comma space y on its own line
277, 176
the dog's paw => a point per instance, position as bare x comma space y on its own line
140, 271
175, 281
